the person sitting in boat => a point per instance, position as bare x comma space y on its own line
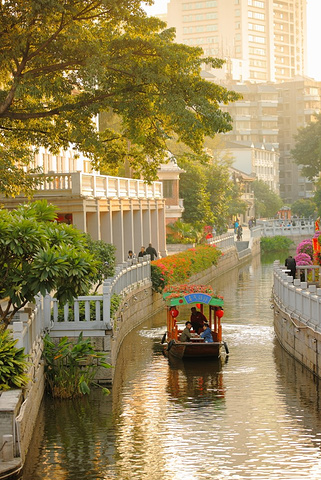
186, 334
206, 333
197, 320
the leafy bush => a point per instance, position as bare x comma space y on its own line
303, 259
305, 246
180, 267
274, 244
13, 363
70, 368
158, 279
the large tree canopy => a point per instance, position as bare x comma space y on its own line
64, 61
307, 150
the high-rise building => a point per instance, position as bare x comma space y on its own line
298, 102
270, 35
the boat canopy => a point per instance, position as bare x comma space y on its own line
188, 294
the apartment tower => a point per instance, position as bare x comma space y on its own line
268, 36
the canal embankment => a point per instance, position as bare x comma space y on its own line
18, 417
297, 318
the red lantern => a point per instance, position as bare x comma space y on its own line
174, 312
198, 305
220, 313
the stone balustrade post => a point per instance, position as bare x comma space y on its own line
7, 448
106, 304
17, 331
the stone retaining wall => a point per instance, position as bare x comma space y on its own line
298, 339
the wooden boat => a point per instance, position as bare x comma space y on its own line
204, 298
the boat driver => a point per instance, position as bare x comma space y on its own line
197, 320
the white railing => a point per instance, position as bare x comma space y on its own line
94, 185
128, 276
27, 328
297, 299
271, 229
223, 242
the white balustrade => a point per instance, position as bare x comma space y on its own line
298, 299
102, 186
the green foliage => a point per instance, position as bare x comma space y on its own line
207, 190
317, 197
105, 256
307, 150
158, 278
102, 56
13, 363
267, 203
115, 301
303, 207
70, 368
274, 244
185, 233
39, 255
180, 267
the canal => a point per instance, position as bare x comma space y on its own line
253, 415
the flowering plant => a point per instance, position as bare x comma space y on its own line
180, 267
305, 246
186, 289
303, 259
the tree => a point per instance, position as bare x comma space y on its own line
104, 254
303, 207
63, 62
193, 189
267, 203
307, 150
39, 255
317, 196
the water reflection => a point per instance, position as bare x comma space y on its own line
256, 416
195, 383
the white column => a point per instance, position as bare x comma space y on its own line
162, 228
128, 218
118, 234
138, 229
146, 225
154, 228
93, 223
106, 226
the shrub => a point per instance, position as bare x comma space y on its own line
13, 363
70, 368
274, 244
180, 267
303, 259
305, 247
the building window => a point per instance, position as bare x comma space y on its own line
168, 188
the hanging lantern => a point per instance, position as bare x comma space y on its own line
198, 305
220, 313
174, 312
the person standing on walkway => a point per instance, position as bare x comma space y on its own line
290, 264
150, 250
142, 252
236, 224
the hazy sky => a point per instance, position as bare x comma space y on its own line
314, 33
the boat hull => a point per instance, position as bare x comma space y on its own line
192, 350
